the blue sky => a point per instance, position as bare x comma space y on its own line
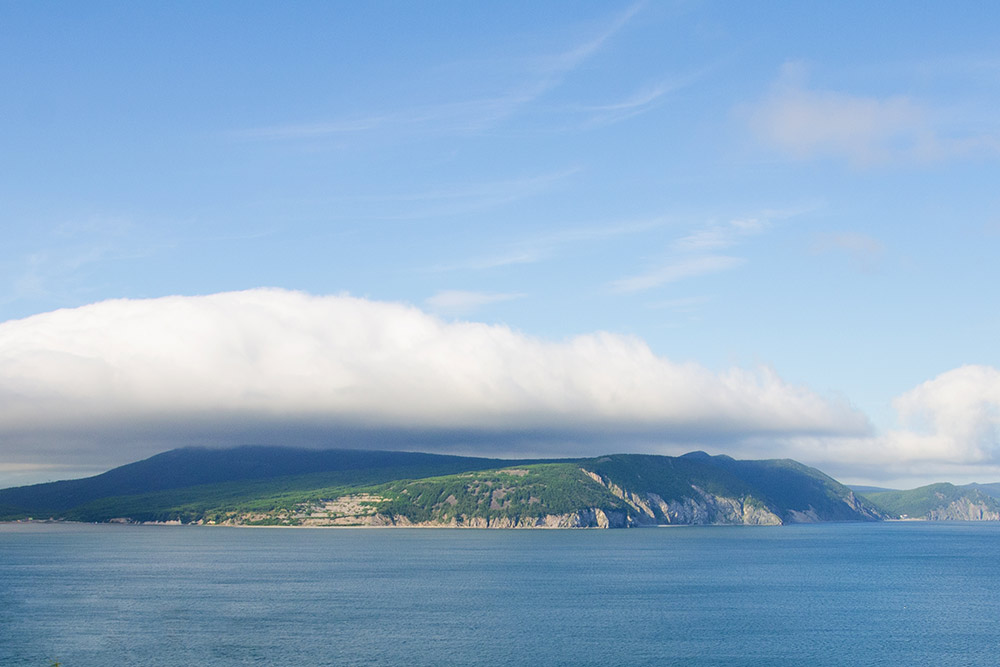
803, 193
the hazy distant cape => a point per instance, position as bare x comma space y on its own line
302, 487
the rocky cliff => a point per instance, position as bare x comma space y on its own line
701, 508
609, 492
940, 502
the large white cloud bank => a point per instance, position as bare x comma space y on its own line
949, 430
266, 364
953, 417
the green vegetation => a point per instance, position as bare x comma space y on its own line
258, 486
935, 501
992, 490
188, 484
781, 486
525, 492
789, 484
671, 478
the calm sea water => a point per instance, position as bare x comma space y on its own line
834, 594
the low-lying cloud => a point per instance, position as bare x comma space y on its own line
955, 417
949, 430
113, 381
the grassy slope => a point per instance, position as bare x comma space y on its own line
197, 480
528, 491
992, 490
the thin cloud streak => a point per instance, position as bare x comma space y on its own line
457, 200
541, 247
451, 117
511, 258
678, 270
693, 255
463, 301
639, 102
715, 236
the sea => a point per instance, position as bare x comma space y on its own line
899, 593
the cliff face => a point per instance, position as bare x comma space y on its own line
965, 509
864, 508
940, 502
701, 509
700, 489
591, 517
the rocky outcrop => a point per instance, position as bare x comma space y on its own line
807, 515
863, 508
592, 517
964, 509
360, 510
701, 508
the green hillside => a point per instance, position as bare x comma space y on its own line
787, 489
196, 480
270, 486
940, 502
511, 494
992, 490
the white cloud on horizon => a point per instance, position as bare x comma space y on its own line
949, 431
104, 381
114, 381
953, 417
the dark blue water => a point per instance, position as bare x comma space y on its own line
835, 594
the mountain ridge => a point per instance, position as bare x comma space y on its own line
260, 485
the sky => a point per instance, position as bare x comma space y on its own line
505, 229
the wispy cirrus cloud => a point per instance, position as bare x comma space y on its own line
457, 199
56, 266
640, 101
719, 235
495, 261
695, 254
539, 247
541, 74
675, 270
